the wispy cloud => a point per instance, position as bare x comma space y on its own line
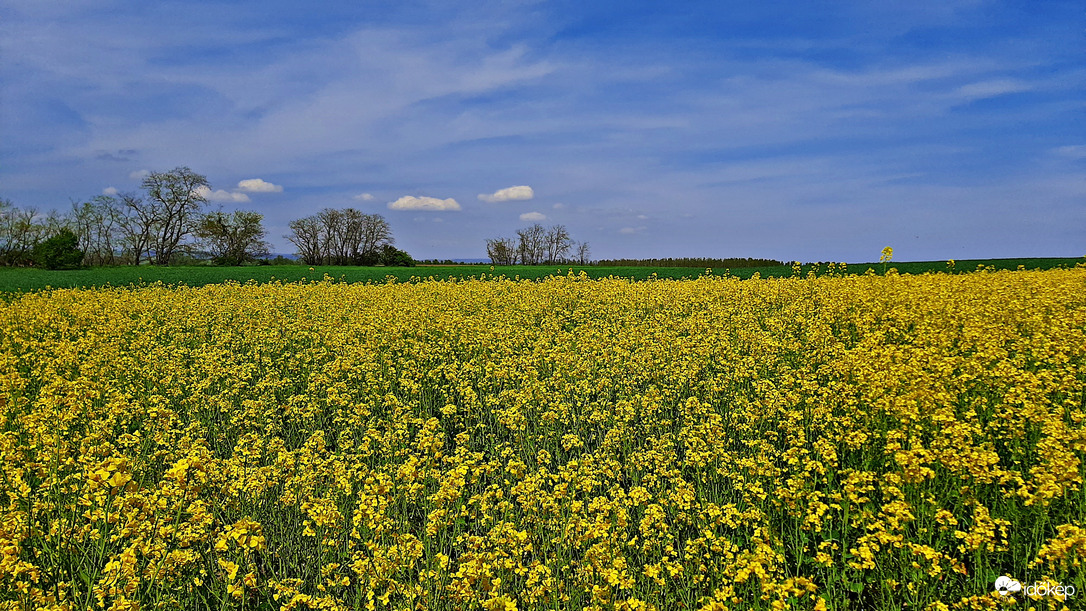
1074, 151
991, 89
122, 155
730, 127
533, 216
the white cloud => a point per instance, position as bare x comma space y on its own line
559, 206
222, 196
139, 174
532, 216
259, 185
631, 230
110, 191
363, 197
523, 192
409, 202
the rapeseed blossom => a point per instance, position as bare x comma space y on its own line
792, 443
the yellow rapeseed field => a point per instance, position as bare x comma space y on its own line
850, 442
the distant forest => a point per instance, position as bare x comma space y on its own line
688, 262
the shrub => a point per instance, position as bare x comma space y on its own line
61, 251
394, 257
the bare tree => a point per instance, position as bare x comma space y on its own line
333, 245
138, 223
232, 239
177, 197
352, 226
85, 221
375, 234
305, 234
502, 251
341, 237
20, 232
52, 223
582, 253
535, 245
558, 243
532, 245
363, 237
98, 224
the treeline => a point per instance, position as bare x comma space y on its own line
163, 225
166, 225
691, 262
537, 245
22, 231
346, 237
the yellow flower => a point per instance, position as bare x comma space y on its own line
231, 569
568, 442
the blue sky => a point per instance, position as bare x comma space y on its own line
810, 131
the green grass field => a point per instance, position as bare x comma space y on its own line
15, 280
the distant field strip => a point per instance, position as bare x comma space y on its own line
847, 442
15, 280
